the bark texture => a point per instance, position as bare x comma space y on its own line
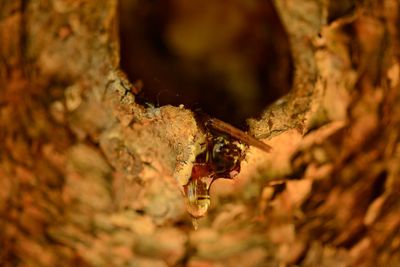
89, 177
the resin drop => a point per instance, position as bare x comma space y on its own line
198, 197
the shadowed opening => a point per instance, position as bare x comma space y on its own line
229, 59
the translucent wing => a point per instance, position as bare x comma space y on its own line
236, 133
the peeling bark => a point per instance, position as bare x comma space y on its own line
90, 177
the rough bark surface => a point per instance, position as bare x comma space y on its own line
88, 177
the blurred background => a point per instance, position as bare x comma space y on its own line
228, 58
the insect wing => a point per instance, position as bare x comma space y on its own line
236, 133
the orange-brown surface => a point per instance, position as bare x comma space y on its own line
92, 173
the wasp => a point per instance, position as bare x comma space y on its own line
223, 150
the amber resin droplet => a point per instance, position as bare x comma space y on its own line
197, 196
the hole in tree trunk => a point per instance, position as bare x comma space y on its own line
229, 59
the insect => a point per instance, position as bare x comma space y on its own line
223, 150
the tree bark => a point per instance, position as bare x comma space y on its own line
89, 177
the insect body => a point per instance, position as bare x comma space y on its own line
222, 153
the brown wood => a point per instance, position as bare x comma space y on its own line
90, 177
